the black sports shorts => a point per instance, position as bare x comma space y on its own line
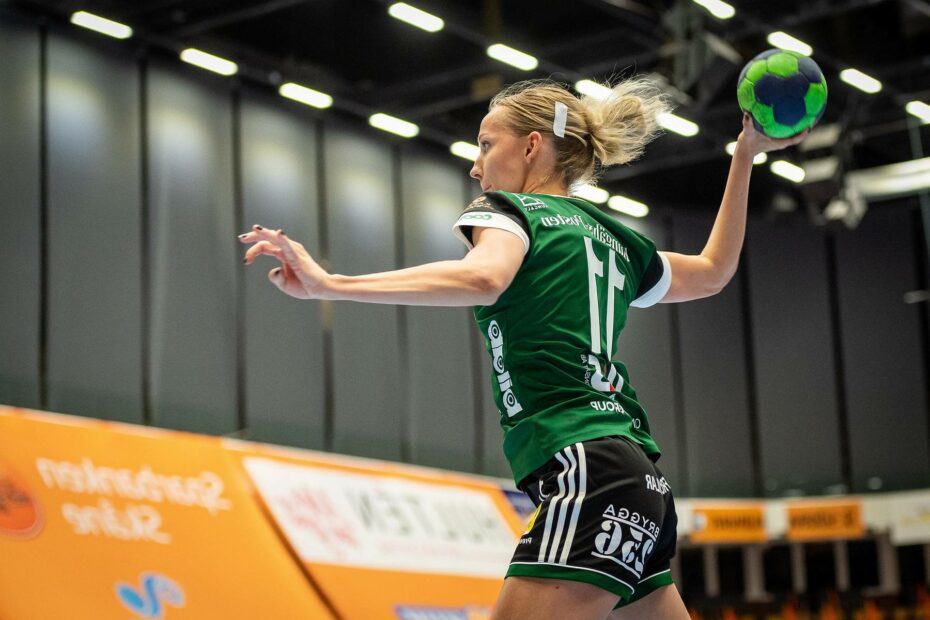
604, 516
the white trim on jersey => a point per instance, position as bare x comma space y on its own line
658, 291
493, 220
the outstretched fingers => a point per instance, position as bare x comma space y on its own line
263, 247
272, 242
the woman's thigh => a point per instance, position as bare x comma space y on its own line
530, 598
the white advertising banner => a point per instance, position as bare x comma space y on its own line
910, 518
384, 522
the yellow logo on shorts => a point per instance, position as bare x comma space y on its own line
532, 520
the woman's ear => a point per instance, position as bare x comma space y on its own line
533, 145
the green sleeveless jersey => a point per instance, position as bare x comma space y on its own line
552, 334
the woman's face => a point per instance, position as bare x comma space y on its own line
503, 161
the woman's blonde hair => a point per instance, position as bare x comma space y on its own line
598, 132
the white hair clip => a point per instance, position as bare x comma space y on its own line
561, 116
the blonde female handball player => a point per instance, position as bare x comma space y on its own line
551, 278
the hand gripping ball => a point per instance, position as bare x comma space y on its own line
784, 92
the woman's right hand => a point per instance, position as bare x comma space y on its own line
753, 141
299, 275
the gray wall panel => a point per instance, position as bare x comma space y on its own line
645, 347
94, 201
793, 352
194, 252
283, 335
19, 214
439, 382
884, 371
369, 398
716, 406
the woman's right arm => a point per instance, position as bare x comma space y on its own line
478, 279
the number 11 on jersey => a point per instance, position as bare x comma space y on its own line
615, 281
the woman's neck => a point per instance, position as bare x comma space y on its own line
556, 188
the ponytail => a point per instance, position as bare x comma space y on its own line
598, 132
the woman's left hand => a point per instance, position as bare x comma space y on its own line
299, 275
754, 142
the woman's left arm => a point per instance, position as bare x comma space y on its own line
705, 274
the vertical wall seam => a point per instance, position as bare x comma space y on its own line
145, 288
326, 307
678, 381
921, 256
922, 259
752, 390
839, 363
403, 337
43, 218
242, 422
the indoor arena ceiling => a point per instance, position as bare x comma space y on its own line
368, 61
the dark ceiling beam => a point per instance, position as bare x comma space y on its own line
414, 87
681, 159
643, 18
235, 17
921, 6
443, 106
599, 39
274, 70
483, 41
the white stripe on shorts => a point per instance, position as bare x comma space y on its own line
582, 489
566, 505
550, 513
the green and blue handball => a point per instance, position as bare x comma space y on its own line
784, 93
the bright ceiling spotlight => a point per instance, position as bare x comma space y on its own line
465, 150
860, 80
101, 25
785, 41
305, 95
512, 57
415, 17
787, 170
589, 192
628, 206
209, 61
677, 124
394, 125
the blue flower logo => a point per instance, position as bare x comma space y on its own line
147, 601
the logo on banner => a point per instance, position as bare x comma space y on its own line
385, 522
442, 613
833, 520
136, 518
521, 502
627, 539
154, 591
20, 511
728, 524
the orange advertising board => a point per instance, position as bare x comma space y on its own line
101, 520
424, 543
825, 520
737, 523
